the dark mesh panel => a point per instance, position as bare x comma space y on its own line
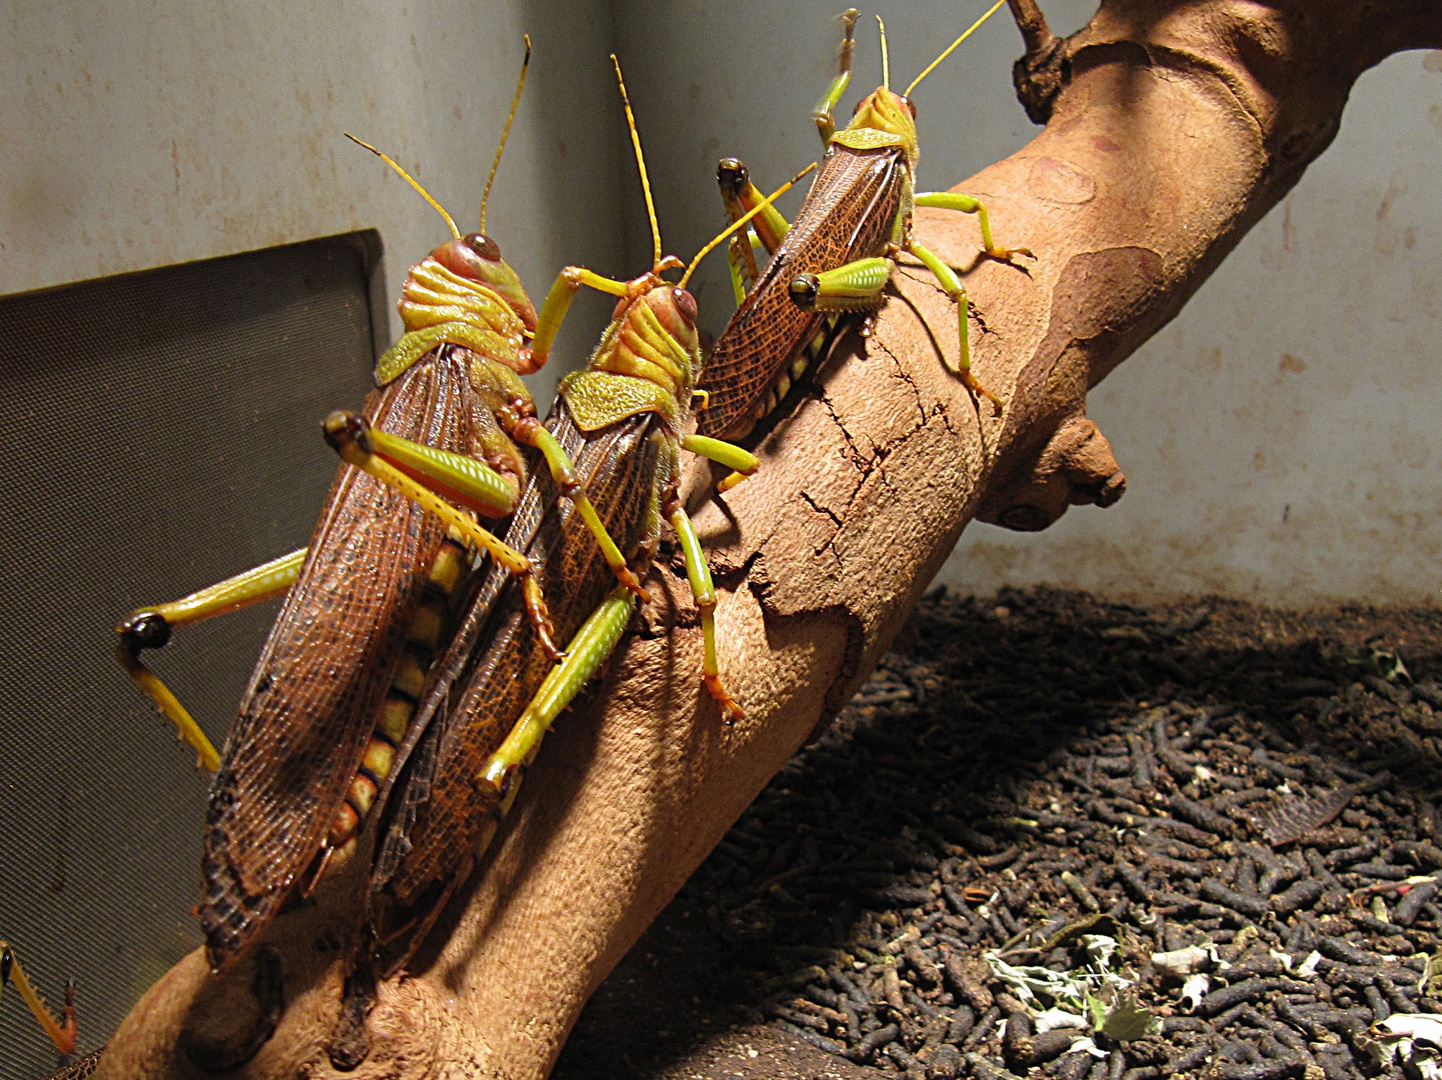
158, 432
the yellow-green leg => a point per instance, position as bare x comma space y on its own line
704, 593
533, 433
825, 122
948, 280
968, 204
740, 196
463, 480
853, 286
150, 628
743, 463
558, 301
457, 477
350, 436
61, 1032
585, 654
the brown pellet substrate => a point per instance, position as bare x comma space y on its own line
1020, 763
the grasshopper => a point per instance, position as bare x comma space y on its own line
491, 700
370, 601
838, 255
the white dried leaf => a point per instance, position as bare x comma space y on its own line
1052, 1019
1412, 1039
1194, 989
1084, 1044
1181, 962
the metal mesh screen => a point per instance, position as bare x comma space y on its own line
158, 432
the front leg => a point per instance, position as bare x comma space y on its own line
742, 463
825, 122
969, 204
558, 301
704, 593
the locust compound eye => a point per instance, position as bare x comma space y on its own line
804, 289
484, 246
685, 304
910, 105
459, 257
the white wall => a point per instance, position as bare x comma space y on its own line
142, 135
138, 135
1280, 437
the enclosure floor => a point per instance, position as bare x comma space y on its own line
1208, 772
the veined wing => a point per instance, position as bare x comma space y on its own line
324, 670
848, 214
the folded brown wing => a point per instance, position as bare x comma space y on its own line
324, 670
438, 819
847, 215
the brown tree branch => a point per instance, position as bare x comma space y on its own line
1176, 126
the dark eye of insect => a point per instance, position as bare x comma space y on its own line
484, 246
686, 305
910, 106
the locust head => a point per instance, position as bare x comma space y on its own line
653, 336
675, 311
882, 118
477, 258
463, 292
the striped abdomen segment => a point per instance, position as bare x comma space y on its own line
427, 635
504, 665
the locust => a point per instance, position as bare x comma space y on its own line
370, 602
837, 257
624, 421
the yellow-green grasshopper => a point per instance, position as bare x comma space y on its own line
370, 602
837, 256
624, 421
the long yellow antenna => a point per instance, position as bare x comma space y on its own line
410, 180
742, 220
506, 131
640, 162
932, 66
885, 57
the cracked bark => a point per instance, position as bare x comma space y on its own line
1174, 126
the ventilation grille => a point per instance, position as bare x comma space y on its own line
158, 432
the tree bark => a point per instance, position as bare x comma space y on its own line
1174, 126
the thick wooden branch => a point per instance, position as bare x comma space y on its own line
1174, 127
